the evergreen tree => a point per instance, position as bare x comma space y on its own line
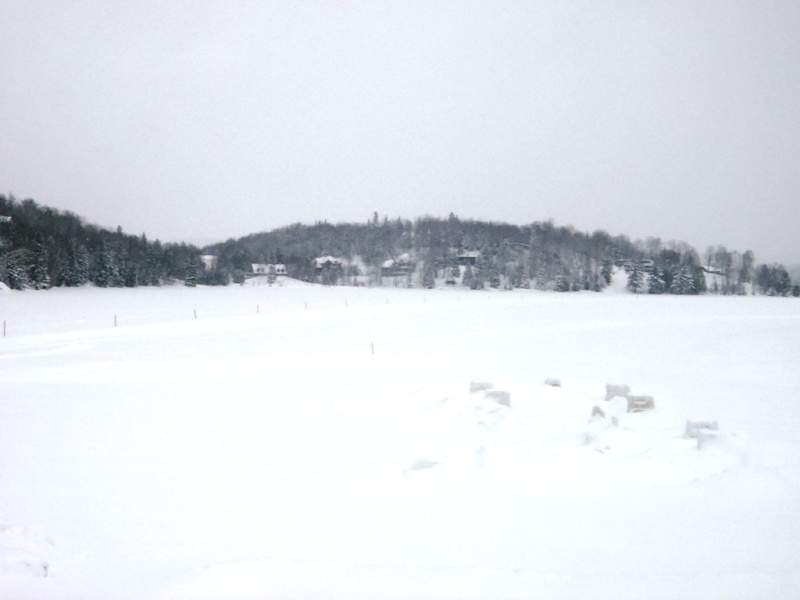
607, 270
77, 271
635, 276
655, 282
14, 266
107, 273
190, 272
40, 277
684, 282
429, 278
466, 281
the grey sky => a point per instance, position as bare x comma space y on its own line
208, 120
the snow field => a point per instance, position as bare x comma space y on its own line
272, 454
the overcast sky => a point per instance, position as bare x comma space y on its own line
200, 121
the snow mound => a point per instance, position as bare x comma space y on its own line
24, 552
619, 283
551, 431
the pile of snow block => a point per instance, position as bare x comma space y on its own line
552, 382
702, 431
614, 390
635, 403
479, 386
500, 396
640, 403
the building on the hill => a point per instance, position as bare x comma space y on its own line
263, 268
468, 257
397, 266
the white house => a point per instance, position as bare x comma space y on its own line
326, 262
263, 269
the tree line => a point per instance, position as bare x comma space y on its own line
42, 247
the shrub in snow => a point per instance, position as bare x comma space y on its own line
552, 382
615, 390
640, 403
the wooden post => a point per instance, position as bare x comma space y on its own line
115, 320
373, 348
195, 313
4, 328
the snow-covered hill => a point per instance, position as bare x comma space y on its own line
304, 442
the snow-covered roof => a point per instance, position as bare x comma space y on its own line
280, 268
323, 260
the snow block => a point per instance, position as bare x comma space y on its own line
614, 390
479, 386
596, 410
499, 396
640, 403
694, 429
552, 382
422, 463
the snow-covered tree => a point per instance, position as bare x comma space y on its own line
635, 277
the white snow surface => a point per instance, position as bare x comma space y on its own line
299, 442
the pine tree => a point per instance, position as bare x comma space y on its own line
77, 272
684, 283
14, 266
655, 282
429, 278
466, 281
607, 270
107, 274
190, 272
40, 276
635, 277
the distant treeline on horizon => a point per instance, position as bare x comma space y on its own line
42, 247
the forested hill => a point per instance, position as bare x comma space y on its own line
42, 247
431, 251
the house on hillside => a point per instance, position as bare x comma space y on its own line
326, 263
328, 270
397, 266
468, 257
263, 268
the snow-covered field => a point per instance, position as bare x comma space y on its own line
300, 442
